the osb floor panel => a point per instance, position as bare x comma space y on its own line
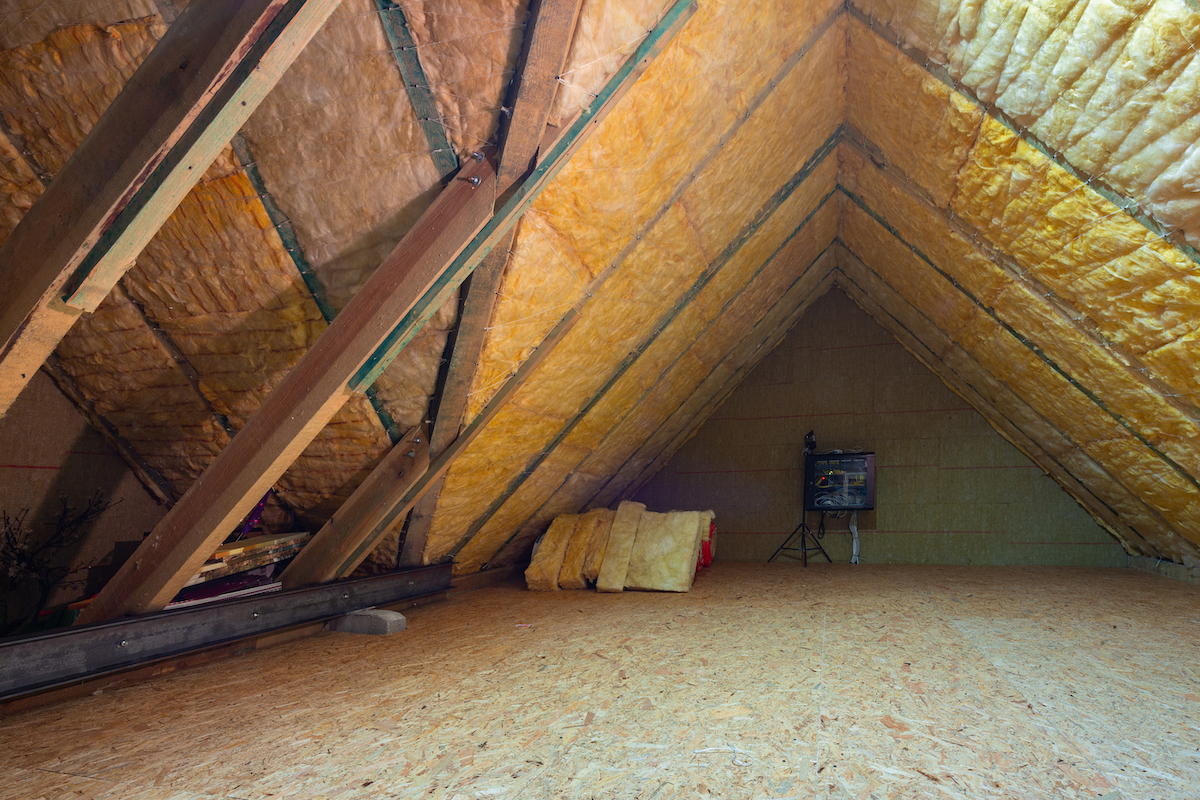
766, 681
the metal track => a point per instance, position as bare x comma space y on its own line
43, 661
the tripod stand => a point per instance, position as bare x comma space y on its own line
805, 548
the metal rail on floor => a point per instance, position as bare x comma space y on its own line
47, 660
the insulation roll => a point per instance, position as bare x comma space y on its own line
542, 573
620, 546
664, 553
592, 528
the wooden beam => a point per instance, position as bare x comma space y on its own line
298, 408
375, 507
451, 408
449, 240
548, 34
406, 463
549, 30
194, 90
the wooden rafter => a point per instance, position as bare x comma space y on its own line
389, 492
449, 240
548, 34
196, 87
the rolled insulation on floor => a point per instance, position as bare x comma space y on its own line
664, 553
571, 575
542, 573
597, 543
620, 546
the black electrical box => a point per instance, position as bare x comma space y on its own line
839, 482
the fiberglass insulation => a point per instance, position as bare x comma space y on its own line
215, 299
1092, 315
1114, 87
581, 226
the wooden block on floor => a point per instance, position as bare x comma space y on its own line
371, 621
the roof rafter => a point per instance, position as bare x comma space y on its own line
708, 274
449, 240
393, 487
549, 31
196, 87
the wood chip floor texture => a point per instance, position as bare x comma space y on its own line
765, 681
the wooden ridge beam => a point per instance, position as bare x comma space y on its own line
388, 493
197, 86
549, 30
449, 240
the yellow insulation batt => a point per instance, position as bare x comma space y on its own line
667, 362
1018, 302
19, 187
24, 22
660, 133
1141, 292
922, 126
542, 573
468, 51
216, 278
1114, 87
666, 261
620, 547
581, 563
607, 32
685, 420
53, 91
904, 320
598, 544
1098, 433
665, 551
664, 377
345, 158
136, 384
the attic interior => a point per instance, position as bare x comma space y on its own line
310, 300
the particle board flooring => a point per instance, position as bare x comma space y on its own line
766, 681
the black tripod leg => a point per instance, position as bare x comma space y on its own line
785, 543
